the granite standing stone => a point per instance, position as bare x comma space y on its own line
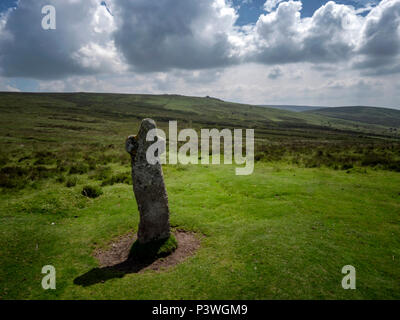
149, 188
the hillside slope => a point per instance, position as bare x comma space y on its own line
292, 108
323, 194
371, 115
44, 116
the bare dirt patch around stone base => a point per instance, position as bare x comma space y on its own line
116, 256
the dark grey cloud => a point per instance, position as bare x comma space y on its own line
381, 33
379, 50
334, 34
29, 51
164, 34
150, 36
381, 71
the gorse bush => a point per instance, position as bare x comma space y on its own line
91, 191
19, 176
43, 158
3, 160
60, 178
29, 167
101, 173
79, 168
124, 177
342, 156
71, 182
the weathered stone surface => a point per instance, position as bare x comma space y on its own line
149, 188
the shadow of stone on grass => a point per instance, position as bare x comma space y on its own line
101, 275
122, 258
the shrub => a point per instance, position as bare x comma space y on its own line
11, 182
17, 176
92, 164
123, 177
44, 157
79, 168
258, 156
92, 191
347, 166
90, 161
101, 173
62, 166
40, 172
394, 166
3, 160
71, 182
60, 178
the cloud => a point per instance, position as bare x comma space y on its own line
275, 73
194, 47
77, 46
165, 34
246, 83
277, 35
330, 35
269, 5
156, 36
6, 86
379, 45
336, 33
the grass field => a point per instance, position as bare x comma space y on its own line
317, 201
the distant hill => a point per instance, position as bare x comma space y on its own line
371, 115
37, 116
292, 108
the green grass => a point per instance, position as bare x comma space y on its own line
324, 194
282, 233
371, 115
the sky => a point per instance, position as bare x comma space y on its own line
310, 52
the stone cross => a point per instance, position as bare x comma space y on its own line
149, 188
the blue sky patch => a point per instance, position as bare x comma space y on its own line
250, 10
